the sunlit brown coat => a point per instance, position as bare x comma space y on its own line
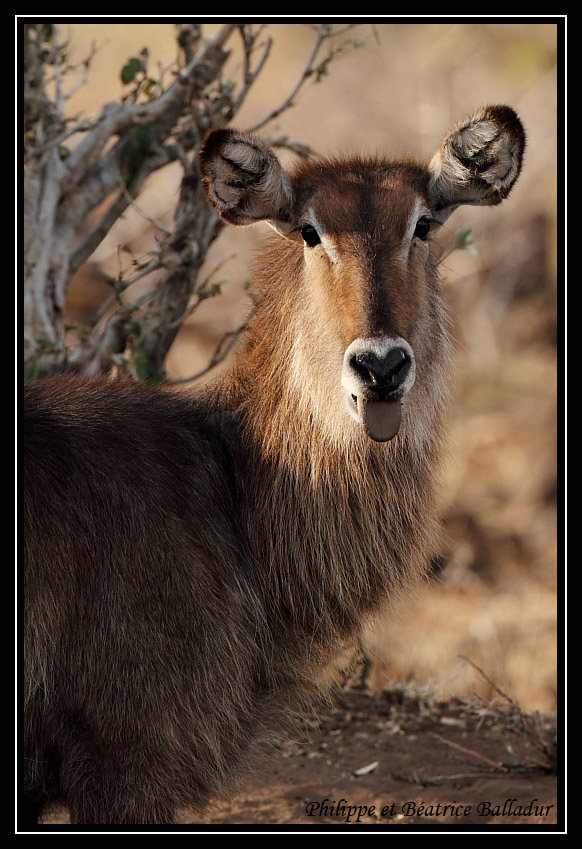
191, 565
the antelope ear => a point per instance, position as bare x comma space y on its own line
244, 180
478, 162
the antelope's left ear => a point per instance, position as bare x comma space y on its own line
478, 162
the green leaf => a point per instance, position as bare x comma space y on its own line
83, 332
465, 242
141, 370
139, 361
130, 70
46, 346
148, 86
214, 290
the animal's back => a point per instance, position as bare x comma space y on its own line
122, 466
139, 642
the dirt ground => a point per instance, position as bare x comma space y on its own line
397, 758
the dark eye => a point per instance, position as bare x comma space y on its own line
422, 228
310, 235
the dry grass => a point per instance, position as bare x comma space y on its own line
496, 598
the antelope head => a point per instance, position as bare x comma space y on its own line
365, 288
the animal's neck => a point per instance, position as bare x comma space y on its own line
333, 530
334, 521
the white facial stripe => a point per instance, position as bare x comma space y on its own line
415, 214
326, 242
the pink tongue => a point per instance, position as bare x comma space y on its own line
380, 419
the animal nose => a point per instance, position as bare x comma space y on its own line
383, 373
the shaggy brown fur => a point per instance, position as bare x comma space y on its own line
191, 564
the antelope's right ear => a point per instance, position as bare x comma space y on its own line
478, 162
244, 180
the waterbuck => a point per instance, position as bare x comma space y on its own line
193, 564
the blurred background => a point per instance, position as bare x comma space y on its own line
397, 88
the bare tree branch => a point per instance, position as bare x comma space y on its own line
222, 350
324, 32
116, 118
115, 154
249, 76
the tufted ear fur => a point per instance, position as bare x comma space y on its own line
244, 180
478, 162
